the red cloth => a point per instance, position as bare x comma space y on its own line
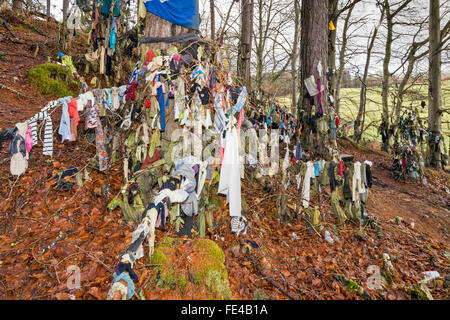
341, 168
336, 121
130, 93
148, 161
150, 55
73, 110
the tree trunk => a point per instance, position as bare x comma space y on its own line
29, 4
213, 20
313, 49
294, 71
245, 49
386, 76
65, 9
17, 5
434, 89
48, 8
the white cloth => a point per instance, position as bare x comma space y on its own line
357, 185
74, 20
286, 159
307, 183
145, 227
176, 196
230, 180
201, 177
208, 122
19, 162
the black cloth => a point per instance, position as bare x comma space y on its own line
331, 174
7, 135
187, 226
170, 184
204, 95
126, 267
177, 39
369, 176
108, 65
347, 192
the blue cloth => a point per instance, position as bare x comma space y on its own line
317, 168
298, 151
162, 113
160, 208
130, 284
64, 125
241, 100
181, 12
107, 7
113, 34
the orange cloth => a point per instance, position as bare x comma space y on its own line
73, 110
75, 118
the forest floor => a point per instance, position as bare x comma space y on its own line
44, 231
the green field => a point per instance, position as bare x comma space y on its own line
350, 104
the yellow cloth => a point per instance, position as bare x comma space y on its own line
142, 9
331, 26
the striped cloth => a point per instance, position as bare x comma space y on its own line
48, 130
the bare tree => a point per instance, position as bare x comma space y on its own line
434, 89
245, 47
340, 72
48, 8
65, 10
294, 57
334, 12
359, 122
213, 19
391, 13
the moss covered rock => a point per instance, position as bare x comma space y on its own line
197, 266
52, 79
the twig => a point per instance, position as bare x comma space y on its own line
13, 187
95, 258
16, 92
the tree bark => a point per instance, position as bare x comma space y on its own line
245, 49
313, 49
434, 89
29, 4
294, 71
386, 75
213, 19
48, 8
65, 9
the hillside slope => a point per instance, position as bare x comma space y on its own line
43, 231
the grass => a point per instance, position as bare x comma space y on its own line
350, 104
